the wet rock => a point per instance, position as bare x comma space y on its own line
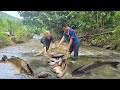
42, 75
94, 42
97, 43
45, 75
111, 47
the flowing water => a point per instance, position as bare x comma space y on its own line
87, 54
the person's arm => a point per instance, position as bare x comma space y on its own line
40, 52
70, 43
61, 41
45, 51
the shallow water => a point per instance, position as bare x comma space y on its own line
8, 72
87, 54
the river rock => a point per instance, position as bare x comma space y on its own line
94, 42
97, 43
111, 47
42, 75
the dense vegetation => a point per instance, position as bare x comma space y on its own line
98, 28
85, 23
19, 32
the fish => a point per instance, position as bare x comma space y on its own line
18, 64
57, 66
85, 69
57, 55
59, 50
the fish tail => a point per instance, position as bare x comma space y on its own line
31, 71
65, 67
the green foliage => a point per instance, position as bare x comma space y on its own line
1, 22
21, 35
9, 22
43, 30
84, 22
4, 38
20, 31
116, 32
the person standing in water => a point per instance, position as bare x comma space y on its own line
71, 37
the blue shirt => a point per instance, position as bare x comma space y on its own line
72, 35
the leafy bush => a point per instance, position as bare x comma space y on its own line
22, 35
5, 39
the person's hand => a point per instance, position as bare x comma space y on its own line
67, 49
57, 46
53, 47
45, 53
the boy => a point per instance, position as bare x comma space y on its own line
73, 41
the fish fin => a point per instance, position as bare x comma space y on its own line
31, 71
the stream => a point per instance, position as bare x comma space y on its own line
87, 54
